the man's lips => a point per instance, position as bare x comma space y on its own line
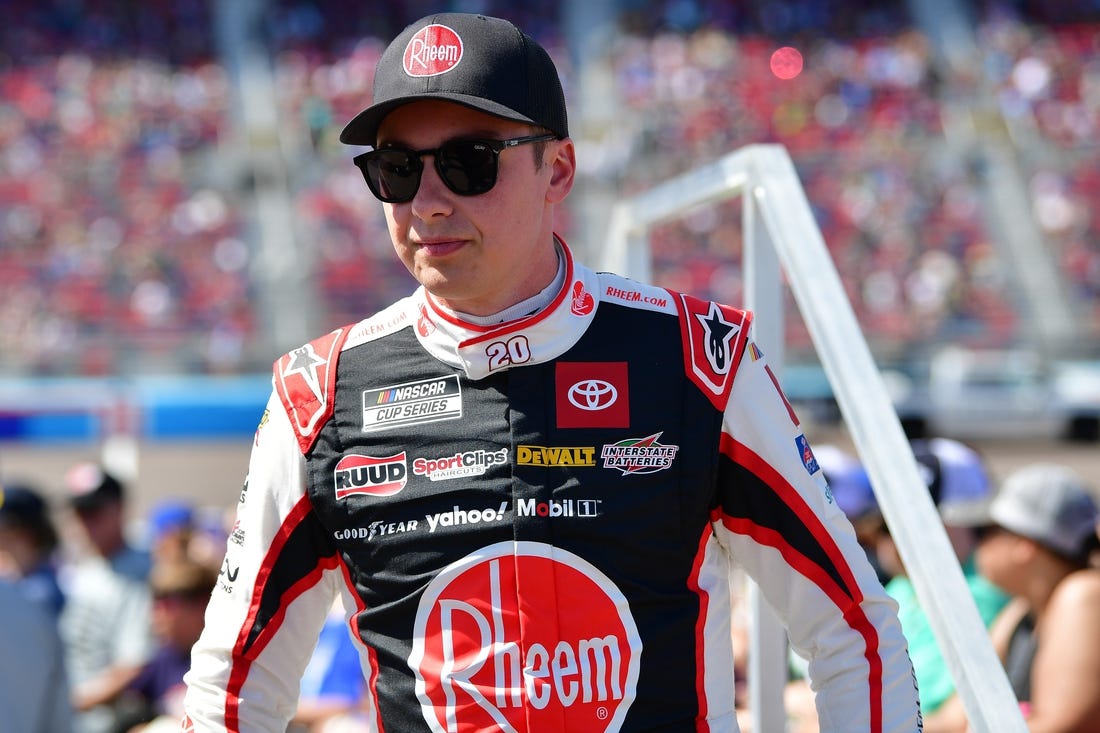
441, 247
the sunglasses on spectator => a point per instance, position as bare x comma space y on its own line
467, 167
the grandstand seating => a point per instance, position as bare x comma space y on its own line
124, 236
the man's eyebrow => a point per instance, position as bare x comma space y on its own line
472, 135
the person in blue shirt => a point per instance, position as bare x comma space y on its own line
34, 689
332, 686
28, 544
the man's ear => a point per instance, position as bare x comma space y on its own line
563, 169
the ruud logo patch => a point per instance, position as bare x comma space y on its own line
370, 475
428, 400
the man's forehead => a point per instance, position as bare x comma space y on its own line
427, 118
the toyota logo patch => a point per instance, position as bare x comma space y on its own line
593, 394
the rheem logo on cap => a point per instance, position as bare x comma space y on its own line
524, 636
435, 49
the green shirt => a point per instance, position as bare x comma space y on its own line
933, 677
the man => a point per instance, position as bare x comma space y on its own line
28, 541
957, 479
181, 588
106, 623
34, 691
530, 481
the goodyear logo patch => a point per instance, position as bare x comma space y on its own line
412, 403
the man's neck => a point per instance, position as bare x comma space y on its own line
527, 306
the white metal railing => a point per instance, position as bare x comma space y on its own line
781, 236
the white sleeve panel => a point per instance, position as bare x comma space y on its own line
778, 520
266, 612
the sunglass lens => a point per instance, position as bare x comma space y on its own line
393, 175
468, 167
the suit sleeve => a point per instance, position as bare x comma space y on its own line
278, 581
778, 520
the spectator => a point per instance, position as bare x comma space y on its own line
28, 541
181, 589
959, 483
107, 616
332, 687
34, 692
851, 489
178, 530
1037, 548
961, 488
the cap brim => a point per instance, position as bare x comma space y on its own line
363, 128
94, 500
968, 513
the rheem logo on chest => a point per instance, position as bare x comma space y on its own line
572, 664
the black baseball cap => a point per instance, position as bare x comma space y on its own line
484, 63
90, 487
25, 507
21, 505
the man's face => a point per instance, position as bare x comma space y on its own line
477, 254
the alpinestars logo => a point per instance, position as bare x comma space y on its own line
639, 455
493, 652
719, 333
305, 363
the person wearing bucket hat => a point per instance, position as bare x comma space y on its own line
530, 481
1041, 531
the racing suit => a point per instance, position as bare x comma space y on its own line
533, 526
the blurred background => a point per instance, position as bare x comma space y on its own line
176, 211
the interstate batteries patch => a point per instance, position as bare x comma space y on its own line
412, 403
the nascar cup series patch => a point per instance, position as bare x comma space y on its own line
412, 403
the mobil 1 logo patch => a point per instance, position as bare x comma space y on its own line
412, 403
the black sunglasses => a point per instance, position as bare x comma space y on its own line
467, 166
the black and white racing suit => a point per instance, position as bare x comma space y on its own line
533, 526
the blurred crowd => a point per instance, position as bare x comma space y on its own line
1028, 546
126, 244
121, 598
100, 606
